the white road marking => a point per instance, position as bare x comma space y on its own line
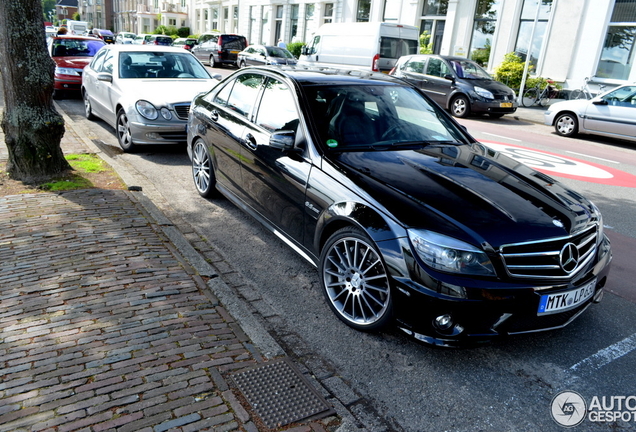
500, 136
605, 356
592, 157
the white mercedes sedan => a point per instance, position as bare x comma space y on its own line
144, 92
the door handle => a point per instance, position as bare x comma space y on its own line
250, 141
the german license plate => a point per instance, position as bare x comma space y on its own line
559, 302
505, 105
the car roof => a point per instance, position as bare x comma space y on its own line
144, 48
309, 75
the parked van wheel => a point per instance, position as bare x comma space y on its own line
460, 106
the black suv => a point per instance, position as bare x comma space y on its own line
215, 48
406, 216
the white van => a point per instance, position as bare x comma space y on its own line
78, 28
374, 46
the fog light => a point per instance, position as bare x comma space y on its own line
444, 322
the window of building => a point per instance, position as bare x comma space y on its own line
293, 21
328, 13
309, 18
486, 16
364, 10
265, 28
619, 49
527, 23
278, 29
433, 21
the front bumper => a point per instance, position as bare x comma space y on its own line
67, 83
173, 132
493, 107
488, 311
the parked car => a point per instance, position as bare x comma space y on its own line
140, 39
185, 43
457, 84
217, 49
144, 92
612, 114
105, 35
71, 54
259, 55
125, 38
404, 214
158, 40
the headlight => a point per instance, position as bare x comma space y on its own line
147, 109
68, 71
450, 255
483, 93
165, 113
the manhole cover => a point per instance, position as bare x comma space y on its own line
280, 394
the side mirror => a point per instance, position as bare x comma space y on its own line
283, 140
103, 76
304, 50
599, 101
449, 77
217, 77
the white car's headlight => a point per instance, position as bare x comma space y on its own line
68, 71
165, 113
147, 110
484, 93
450, 255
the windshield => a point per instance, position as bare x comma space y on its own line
469, 70
76, 47
160, 65
356, 117
279, 52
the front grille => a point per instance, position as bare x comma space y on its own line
182, 110
543, 259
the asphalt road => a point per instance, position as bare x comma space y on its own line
506, 386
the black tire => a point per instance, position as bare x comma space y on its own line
566, 124
529, 97
460, 106
122, 129
354, 280
88, 110
202, 170
212, 61
242, 64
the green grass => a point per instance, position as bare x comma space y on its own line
81, 163
86, 162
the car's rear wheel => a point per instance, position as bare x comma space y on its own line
88, 110
202, 170
566, 125
123, 132
355, 280
212, 61
460, 106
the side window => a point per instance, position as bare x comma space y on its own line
313, 49
416, 66
623, 96
108, 63
222, 96
243, 95
436, 67
98, 61
277, 110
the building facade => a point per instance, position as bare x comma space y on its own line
565, 40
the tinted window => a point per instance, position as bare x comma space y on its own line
437, 67
395, 48
277, 110
244, 93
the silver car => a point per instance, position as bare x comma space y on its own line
144, 92
612, 114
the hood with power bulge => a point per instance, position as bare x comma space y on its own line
469, 192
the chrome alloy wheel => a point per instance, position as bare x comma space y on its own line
356, 283
202, 169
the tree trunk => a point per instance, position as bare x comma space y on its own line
33, 128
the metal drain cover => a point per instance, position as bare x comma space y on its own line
280, 394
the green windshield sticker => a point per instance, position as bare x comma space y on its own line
332, 143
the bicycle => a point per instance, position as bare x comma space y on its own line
536, 96
584, 92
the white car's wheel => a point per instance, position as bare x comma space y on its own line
566, 125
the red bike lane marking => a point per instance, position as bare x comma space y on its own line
561, 166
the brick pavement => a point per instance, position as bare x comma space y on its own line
103, 325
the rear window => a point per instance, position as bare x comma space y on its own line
233, 42
395, 48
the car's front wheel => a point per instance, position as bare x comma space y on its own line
460, 106
88, 110
123, 132
566, 125
202, 170
355, 281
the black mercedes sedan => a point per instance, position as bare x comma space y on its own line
409, 220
